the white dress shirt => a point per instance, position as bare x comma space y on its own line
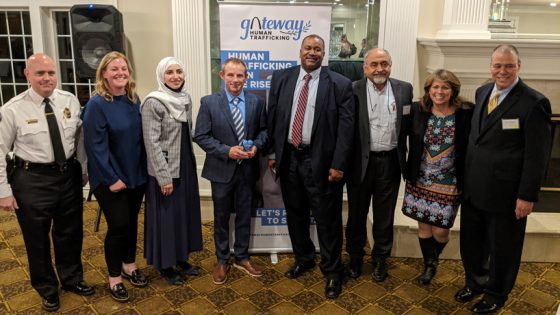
23, 124
310, 109
382, 114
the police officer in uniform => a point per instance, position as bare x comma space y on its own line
45, 187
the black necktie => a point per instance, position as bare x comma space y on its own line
59, 155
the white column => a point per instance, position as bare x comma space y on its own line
397, 33
465, 19
191, 44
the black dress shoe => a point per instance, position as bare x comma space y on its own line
465, 295
298, 269
51, 303
485, 307
80, 288
333, 288
187, 269
354, 271
380, 270
171, 276
136, 278
119, 292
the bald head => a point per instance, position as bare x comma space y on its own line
41, 74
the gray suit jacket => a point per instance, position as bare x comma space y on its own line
360, 153
162, 138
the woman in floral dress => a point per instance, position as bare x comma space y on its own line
438, 136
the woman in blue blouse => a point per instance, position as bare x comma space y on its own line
117, 166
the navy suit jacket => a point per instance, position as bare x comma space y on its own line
215, 134
333, 122
504, 162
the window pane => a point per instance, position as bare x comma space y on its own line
4, 48
18, 51
66, 72
69, 88
14, 22
3, 26
19, 66
62, 23
21, 88
83, 94
6, 72
7, 92
86, 80
26, 23
28, 47
64, 48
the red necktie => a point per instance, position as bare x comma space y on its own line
297, 126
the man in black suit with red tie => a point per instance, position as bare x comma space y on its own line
311, 120
507, 154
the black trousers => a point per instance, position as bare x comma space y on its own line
380, 187
303, 198
235, 196
121, 213
491, 247
49, 198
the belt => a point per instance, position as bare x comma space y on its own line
382, 153
32, 166
303, 148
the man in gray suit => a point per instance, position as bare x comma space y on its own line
383, 105
226, 121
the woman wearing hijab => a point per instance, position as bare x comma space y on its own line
172, 217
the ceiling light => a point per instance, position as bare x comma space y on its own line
552, 4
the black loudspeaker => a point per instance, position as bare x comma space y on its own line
96, 30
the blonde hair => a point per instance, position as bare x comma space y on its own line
101, 85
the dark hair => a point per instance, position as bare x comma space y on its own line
448, 77
234, 61
314, 36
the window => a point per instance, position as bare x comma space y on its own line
358, 19
15, 47
82, 88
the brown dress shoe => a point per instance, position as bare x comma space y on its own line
219, 275
249, 267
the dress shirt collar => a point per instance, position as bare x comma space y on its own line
385, 88
506, 90
38, 99
314, 74
230, 97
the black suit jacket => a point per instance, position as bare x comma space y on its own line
331, 135
505, 164
402, 92
416, 132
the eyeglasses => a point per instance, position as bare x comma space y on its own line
508, 67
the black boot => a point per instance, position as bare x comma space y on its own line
439, 247
429, 252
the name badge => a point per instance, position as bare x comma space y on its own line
406, 110
510, 124
32, 121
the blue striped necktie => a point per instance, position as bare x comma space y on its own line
238, 120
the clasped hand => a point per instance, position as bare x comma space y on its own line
237, 153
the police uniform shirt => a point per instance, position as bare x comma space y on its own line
24, 124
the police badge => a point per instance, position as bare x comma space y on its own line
67, 114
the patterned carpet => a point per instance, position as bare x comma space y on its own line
537, 290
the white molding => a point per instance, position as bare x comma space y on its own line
398, 29
465, 19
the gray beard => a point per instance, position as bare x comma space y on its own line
379, 79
